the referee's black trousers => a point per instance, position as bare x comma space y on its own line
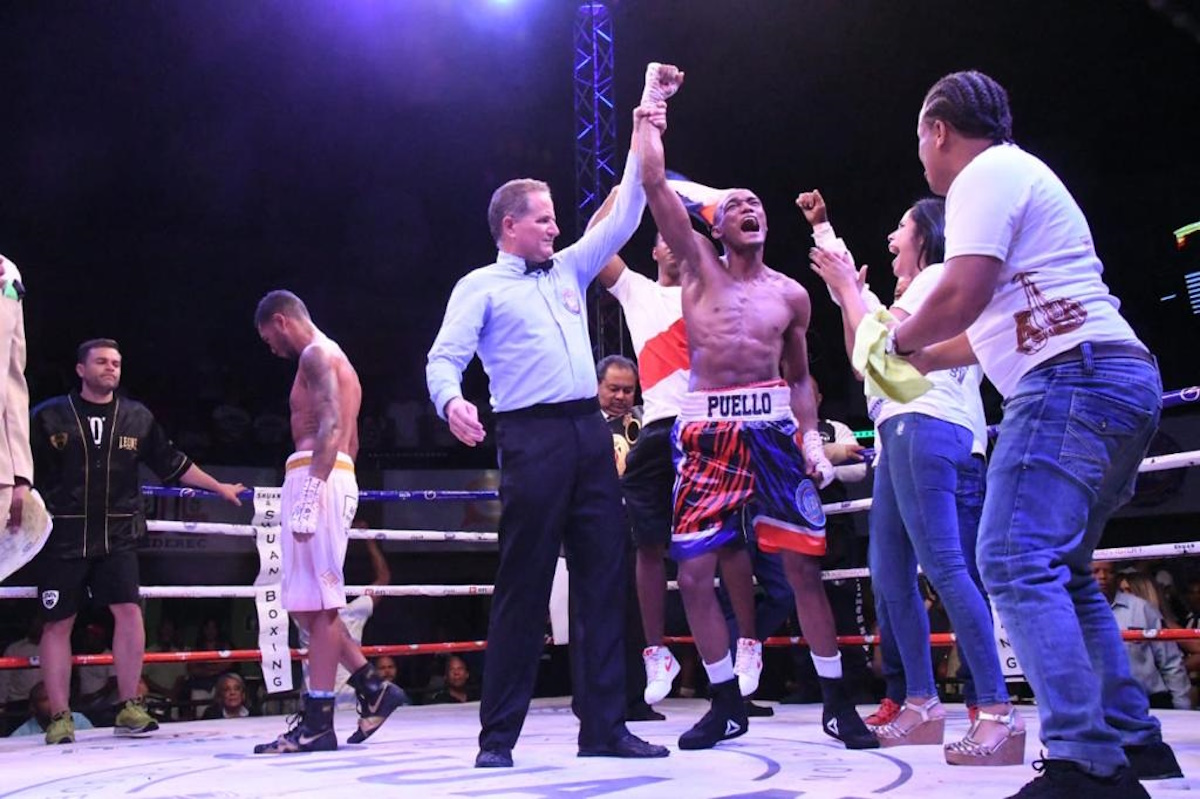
558, 486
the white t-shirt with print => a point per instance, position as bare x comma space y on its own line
954, 394
654, 315
1049, 295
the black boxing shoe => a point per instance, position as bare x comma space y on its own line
376, 701
839, 718
725, 719
311, 731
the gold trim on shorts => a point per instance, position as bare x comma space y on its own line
300, 463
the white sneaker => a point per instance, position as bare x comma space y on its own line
661, 670
747, 665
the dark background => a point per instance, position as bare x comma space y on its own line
166, 163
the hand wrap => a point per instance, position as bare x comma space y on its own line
307, 510
654, 92
814, 453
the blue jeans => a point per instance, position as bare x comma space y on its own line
915, 519
968, 499
1070, 444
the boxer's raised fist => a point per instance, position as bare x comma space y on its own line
662, 81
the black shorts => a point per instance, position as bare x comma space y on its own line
649, 484
107, 580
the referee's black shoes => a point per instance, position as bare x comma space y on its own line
626, 745
494, 758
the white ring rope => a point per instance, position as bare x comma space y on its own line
1180, 549
1178, 460
250, 592
1151, 551
250, 531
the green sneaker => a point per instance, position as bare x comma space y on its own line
61, 729
133, 719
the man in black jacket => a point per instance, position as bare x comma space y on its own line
87, 447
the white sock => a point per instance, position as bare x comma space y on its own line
828, 667
721, 671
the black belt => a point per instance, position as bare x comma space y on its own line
668, 423
554, 410
1099, 350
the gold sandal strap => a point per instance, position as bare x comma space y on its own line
1008, 719
922, 710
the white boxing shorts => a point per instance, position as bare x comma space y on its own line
312, 569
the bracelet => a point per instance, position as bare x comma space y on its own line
892, 346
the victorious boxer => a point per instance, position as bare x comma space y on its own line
734, 437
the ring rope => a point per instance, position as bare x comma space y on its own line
250, 531
251, 592
429, 495
1181, 396
1157, 463
1149, 551
1178, 549
253, 655
949, 639
404, 650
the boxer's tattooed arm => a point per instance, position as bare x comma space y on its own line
318, 371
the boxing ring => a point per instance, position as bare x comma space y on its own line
429, 750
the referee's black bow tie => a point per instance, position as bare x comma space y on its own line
538, 266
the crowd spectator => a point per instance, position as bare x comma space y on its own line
456, 687
39, 720
1156, 665
231, 700
165, 679
16, 684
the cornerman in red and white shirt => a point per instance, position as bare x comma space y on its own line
654, 314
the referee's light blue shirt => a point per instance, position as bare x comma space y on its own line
531, 331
